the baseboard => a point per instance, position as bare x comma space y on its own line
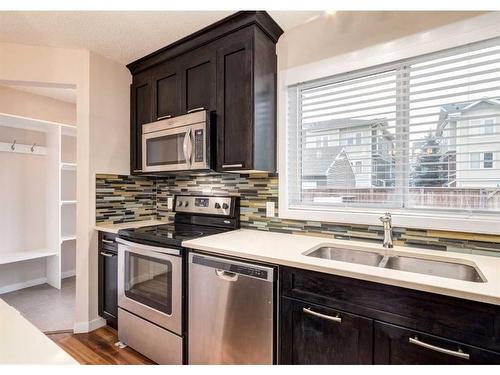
82, 327
22, 285
66, 274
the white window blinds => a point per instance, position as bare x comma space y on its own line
420, 133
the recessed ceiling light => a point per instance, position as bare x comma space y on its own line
330, 13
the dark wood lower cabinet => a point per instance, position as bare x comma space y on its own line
399, 346
316, 335
108, 279
380, 324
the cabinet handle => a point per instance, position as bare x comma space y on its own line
163, 117
336, 319
137, 170
232, 166
196, 109
459, 353
108, 255
108, 241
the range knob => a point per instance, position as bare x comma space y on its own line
217, 205
179, 203
225, 206
186, 203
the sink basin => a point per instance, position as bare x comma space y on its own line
434, 267
346, 255
423, 266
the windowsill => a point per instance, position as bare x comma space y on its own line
435, 220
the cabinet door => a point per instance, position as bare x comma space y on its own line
166, 90
235, 104
400, 346
140, 113
198, 80
108, 287
316, 335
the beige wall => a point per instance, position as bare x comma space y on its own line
21, 103
329, 36
109, 137
74, 68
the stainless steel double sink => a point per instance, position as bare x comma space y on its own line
406, 263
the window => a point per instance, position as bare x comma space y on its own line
482, 127
481, 160
475, 160
488, 160
411, 135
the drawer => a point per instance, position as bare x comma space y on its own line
107, 242
150, 340
466, 321
399, 346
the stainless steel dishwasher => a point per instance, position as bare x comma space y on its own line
231, 312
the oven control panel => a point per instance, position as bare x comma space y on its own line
210, 205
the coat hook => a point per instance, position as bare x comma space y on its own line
33, 147
13, 146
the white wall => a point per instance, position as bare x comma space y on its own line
329, 36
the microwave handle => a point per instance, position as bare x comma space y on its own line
187, 148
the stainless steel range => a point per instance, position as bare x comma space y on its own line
151, 264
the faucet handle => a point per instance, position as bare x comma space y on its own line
386, 218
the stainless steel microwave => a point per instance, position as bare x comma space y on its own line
181, 143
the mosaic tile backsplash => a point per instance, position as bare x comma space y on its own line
147, 198
120, 199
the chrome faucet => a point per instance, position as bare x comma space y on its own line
387, 222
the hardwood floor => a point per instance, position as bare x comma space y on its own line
97, 348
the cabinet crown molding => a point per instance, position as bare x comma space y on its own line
208, 34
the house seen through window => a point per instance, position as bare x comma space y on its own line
414, 134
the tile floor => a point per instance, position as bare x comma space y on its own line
48, 308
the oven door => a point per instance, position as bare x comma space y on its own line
150, 283
178, 149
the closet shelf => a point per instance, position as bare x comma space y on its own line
64, 203
68, 166
68, 237
19, 256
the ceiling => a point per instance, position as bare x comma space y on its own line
122, 36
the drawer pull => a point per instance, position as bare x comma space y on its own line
232, 166
163, 117
108, 255
459, 353
196, 109
109, 242
336, 319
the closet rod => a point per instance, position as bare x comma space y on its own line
20, 148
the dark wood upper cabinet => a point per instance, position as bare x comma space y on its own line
166, 79
228, 68
198, 88
140, 113
246, 102
235, 104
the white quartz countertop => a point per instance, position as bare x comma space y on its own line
22, 343
288, 249
114, 228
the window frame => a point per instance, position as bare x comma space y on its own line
455, 35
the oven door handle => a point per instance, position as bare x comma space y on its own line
187, 147
134, 245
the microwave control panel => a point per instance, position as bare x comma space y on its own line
198, 145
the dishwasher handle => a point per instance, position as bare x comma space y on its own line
230, 270
225, 275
